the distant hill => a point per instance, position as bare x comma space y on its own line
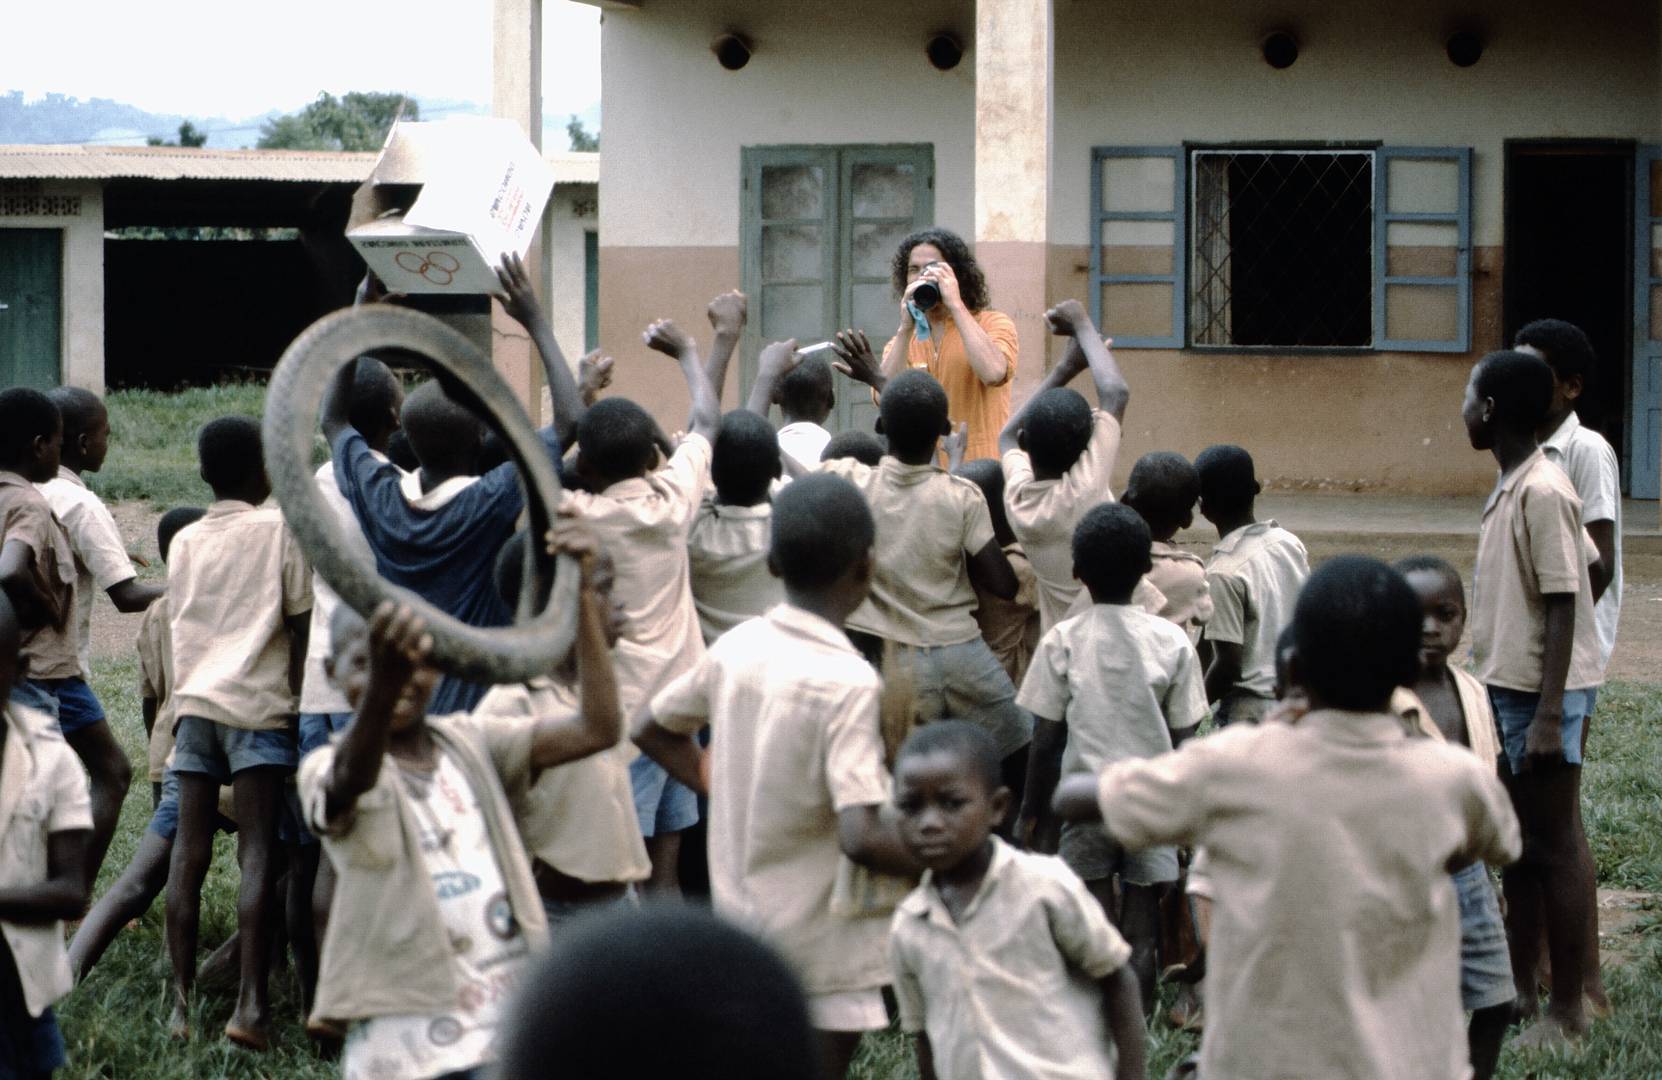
59, 118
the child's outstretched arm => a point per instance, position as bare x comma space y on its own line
727, 314
399, 646
1113, 393
63, 895
1066, 369
1122, 1008
777, 360
1076, 799
519, 299
665, 337
870, 836
599, 722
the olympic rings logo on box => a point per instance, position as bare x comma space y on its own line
436, 267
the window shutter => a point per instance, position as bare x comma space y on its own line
1645, 422
1139, 239
1423, 249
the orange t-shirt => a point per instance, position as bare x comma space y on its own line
985, 407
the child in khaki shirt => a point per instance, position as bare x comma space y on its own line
1334, 935
1164, 488
1003, 964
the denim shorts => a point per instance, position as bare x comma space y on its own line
1485, 964
663, 803
316, 727
1094, 855
219, 751
1514, 709
966, 682
78, 707
164, 821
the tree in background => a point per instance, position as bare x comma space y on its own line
581, 138
355, 121
188, 136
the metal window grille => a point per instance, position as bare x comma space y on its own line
24, 205
1282, 248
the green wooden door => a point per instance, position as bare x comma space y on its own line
820, 226
31, 307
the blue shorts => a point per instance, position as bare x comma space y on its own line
78, 706
30, 1046
164, 821
663, 803
1485, 963
316, 727
35, 695
1514, 709
202, 746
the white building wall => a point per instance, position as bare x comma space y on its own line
82, 302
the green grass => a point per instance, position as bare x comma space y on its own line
153, 441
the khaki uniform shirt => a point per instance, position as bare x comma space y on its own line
1011, 990
386, 952
155, 657
1591, 465
101, 555
1122, 681
1011, 627
794, 739
1253, 580
928, 524
1336, 934
234, 576
42, 791
644, 523
1483, 737
579, 817
728, 550
1531, 544
25, 516
1044, 513
1180, 575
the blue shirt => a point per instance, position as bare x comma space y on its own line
446, 554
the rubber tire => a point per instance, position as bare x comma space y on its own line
533, 646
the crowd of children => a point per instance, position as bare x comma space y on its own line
956, 737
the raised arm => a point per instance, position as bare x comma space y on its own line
519, 299
858, 363
665, 337
337, 404
1070, 319
399, 646
727, 314
776, 361
599, 721
1066, 369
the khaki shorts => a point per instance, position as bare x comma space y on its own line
848, 1010
1094, 855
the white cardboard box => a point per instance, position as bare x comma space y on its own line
446, 200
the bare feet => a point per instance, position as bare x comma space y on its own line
178, 1024
249, 1036
1547, 1033
1596, 1001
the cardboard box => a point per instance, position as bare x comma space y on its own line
446, 200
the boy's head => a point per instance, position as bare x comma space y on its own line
1356, 634
1057, 430
31, 434
377, 402
1567, 351
745, 461
445, 437
1111, 548
1510, 392
1163, 488
914, 413
86, 427
985, 474
510, 578
949, 791
721, 1003
616, 440
1228, 483
348, 668
822, 537
1442, 597
233, 463
805, 392
170, 524
862, 446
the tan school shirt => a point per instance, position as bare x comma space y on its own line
1012, 989
51, 650
1335, 947
1011, 627
42, 791
1531, 544
1180, 576
101, 557
1482, 734
794, 740
155, 657
644, 522
1044, 513
232, 579
578, 817
1253, 580
984, 407
728, 555
928, 524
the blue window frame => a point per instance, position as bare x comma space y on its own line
1422, 249
1138, 244
1645, 401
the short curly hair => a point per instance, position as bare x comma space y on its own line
972, 283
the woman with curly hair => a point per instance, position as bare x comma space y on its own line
968, 347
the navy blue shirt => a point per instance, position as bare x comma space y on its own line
446, 555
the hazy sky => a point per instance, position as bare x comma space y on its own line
236, 59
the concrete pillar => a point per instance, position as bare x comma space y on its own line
1014, 104
516, 94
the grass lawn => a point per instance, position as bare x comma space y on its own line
114, 1022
